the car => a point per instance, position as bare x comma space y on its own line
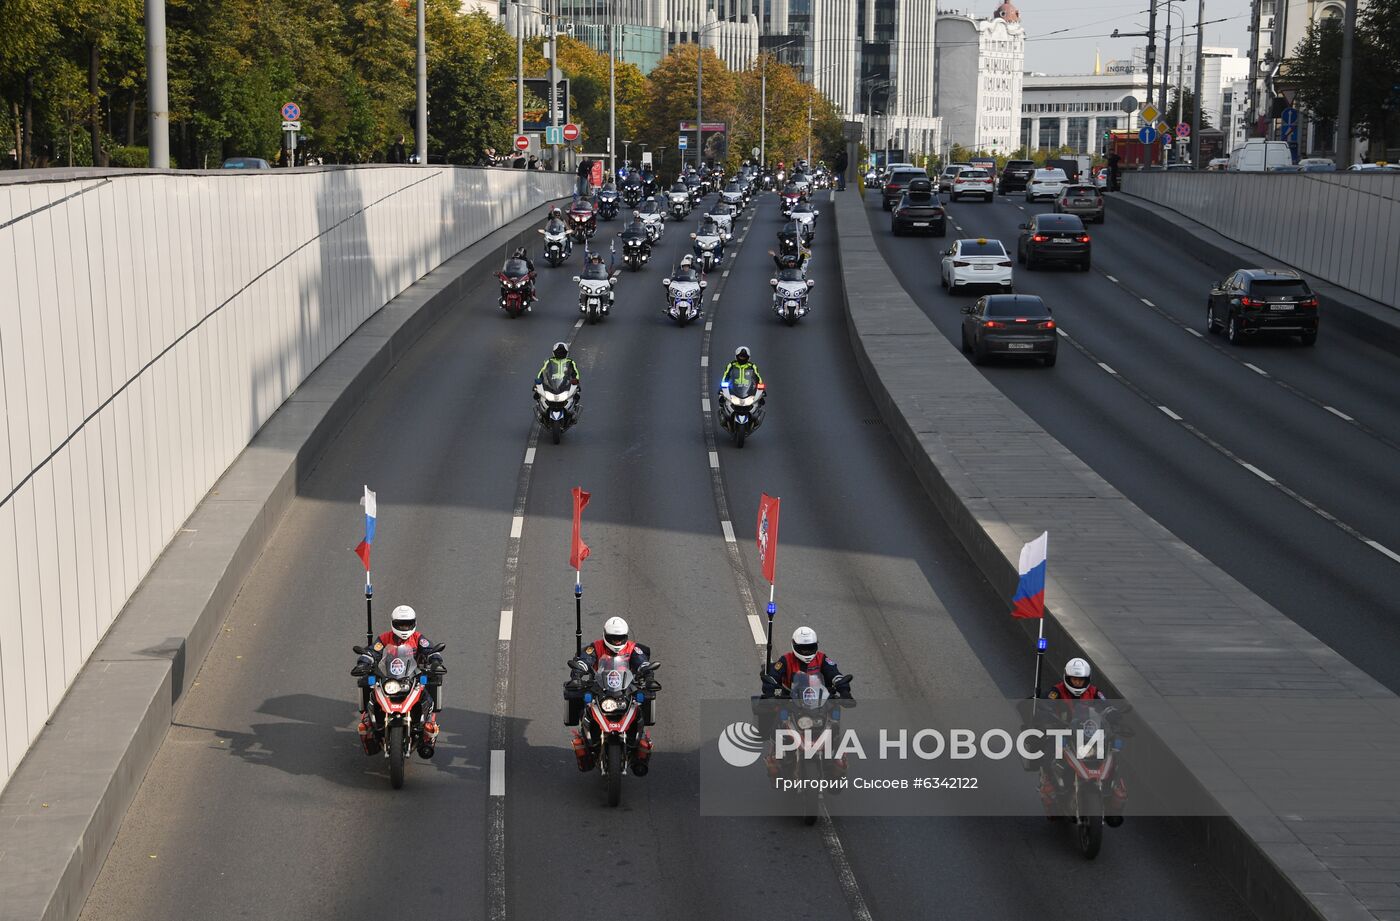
1083, 200
246, 163
1015, 175
1046, 183
1047, 238
894, 186
974, 263
1257, 155
1179, 167
919, 211
950, 172
1012, 325
1254, 301
1317, 165
1101, 177
973, 182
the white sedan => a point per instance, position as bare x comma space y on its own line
1046, 183
972, 181
976, 263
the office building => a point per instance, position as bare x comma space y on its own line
979, 64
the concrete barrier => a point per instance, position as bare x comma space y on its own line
1341, 227
150, 323
1164, 627
63, 806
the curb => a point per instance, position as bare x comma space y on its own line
63, 806
1343, 308
1251, 858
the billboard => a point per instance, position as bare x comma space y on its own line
537, 103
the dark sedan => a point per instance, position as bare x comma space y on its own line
895, 185
919, 211
1011, 325
1050, 238
1253, 301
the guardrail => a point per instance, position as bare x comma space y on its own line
151, 322
1342, 227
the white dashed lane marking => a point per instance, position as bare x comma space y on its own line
1337, 412
1170, 414
1256, 369
1257, 472
507, 621
1107, 368
728, 530
498, 772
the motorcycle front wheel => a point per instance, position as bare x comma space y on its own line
397, 746
612, 779
1090, 834
739, 436
556, 431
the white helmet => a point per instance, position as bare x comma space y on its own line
404, 620
804, 644
1077, 674
615, 633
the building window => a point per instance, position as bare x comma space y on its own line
1049, 134
1077, 135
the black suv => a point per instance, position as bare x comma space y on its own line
1049, 238
1253, 301
894, 186
1015, 175
919, 211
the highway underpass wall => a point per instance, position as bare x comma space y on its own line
150, 324
1342, 227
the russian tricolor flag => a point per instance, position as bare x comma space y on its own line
1029, 600
371, 512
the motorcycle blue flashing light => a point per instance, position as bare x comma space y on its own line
1042, 644
422, 679
783, 715
371, 681
1118, 745
641, 697
588, 697
772, 608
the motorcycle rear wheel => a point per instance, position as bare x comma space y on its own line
612, 778
396, 746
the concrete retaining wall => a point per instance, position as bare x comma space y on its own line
150, 324
1341, 227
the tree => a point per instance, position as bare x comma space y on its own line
471, 102
1314, 70
1182, 108
671, 92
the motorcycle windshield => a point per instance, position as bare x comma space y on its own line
809, 691
398, 663
614, 675
515, 268
742, 384
556, 380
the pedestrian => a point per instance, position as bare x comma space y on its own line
585, 172
396, 151
535, 162
840, 165
1113, 159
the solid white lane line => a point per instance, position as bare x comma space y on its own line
517, 525
498, 772
1257, 472
850, 888
1147, 302
756, 625
1338, 413
1111, 278
507, 619
728, 530
529, 455
1107, 368
1170, 414
1193, 332
1256, 369
1386, 550
714, 460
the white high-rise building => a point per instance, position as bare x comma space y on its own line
979, 66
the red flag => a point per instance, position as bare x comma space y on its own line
768, 535
362, 551
578, 551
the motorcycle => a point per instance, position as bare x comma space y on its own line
709, 249
789, 200
395, 712
790, 255
683, 299
594, 297
556, 405
582, 225
741, 409
635, 253
724, 219
557, 247
790, 295
680, 206
654, 222
808, 712
632, 195
618, 705
517, 293
607, 204
1085, 787
806, 222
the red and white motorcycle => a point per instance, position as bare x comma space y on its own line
618, 705
398, 705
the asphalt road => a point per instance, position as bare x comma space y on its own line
261, 805
1271, 404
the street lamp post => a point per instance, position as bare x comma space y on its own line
612, 93
1200, 61
421, 141
157, 97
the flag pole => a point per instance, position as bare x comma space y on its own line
369, 610
1040, 645
578, 611
772, 610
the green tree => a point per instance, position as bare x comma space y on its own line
471, 103
1314, 70
1183, 108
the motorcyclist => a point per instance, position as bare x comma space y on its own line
555, 224
403, 631
519, 265
792, 252
708, 228
560, 364
738, 371
595, 270
616, 641
1076, 686
806, 656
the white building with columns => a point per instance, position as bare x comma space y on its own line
1074, 110
978, 71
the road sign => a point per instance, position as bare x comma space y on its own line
1289, 132
522, 142
1167, 139
570, 132
683, 142
291, 112
291, 126
1149, 113
1129, 104
1147, 134
554, 134
1183, 130
1289, 116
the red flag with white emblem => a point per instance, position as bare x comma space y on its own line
578, 550
768, 535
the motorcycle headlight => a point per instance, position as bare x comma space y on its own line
610, 705
805, 722
392, 687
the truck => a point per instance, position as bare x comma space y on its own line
1077, 168
1132, 153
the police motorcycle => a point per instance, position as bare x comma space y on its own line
696, 187
608, 202
684, 289
398, 697
557, 245
556, 401
790, 290
708, 245
805, 217
741, 406
614, 705
1083, 784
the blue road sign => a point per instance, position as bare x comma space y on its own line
683, 143
1167, 140
1289, 132
1147, 134
1290, 116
